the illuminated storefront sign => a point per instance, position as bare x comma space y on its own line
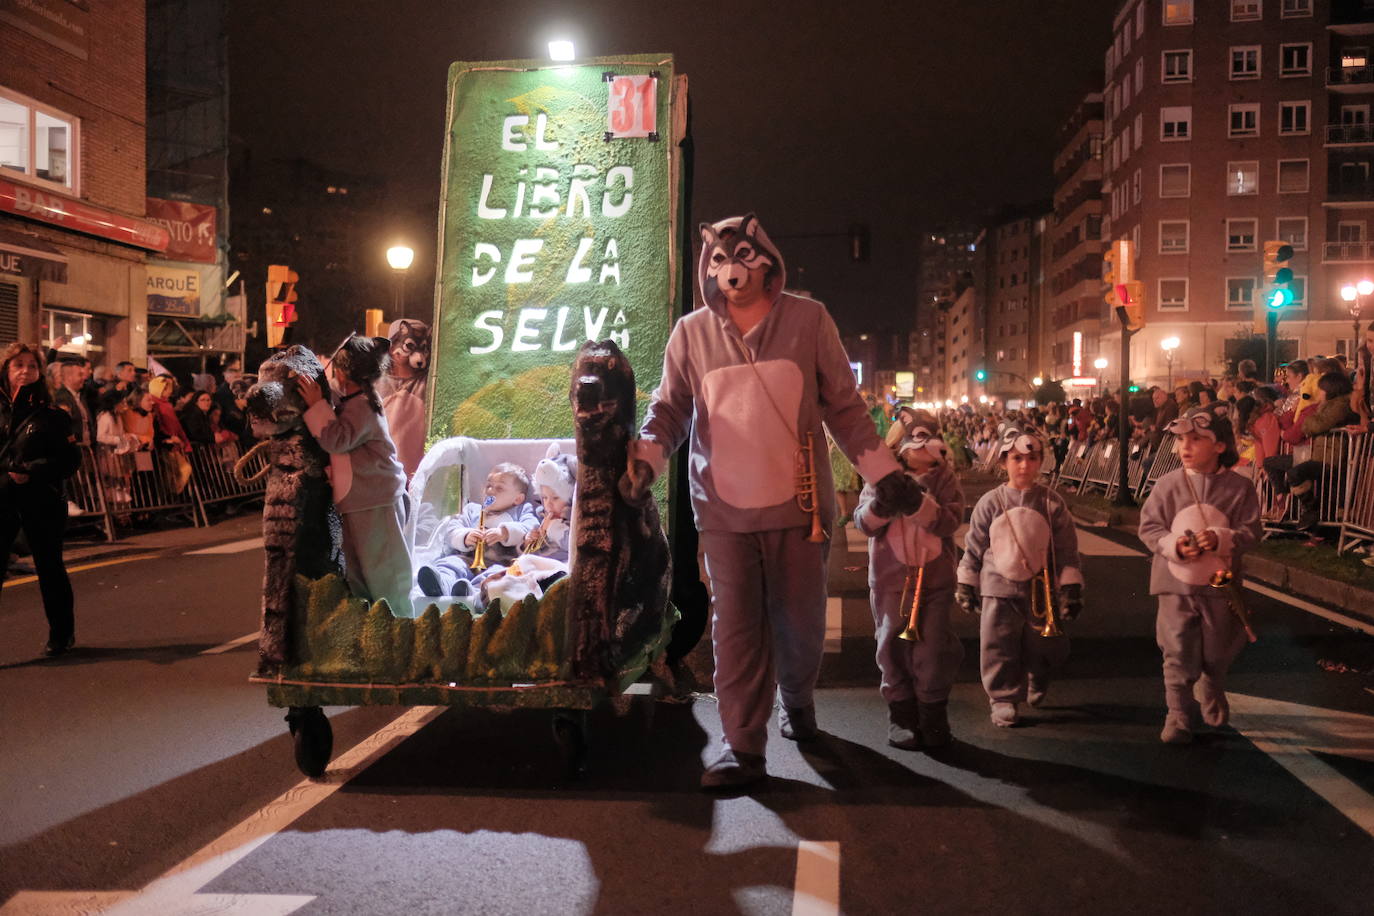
554, 230
173, 291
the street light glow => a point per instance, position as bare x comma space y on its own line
400, 257
1037, 381
1169, 344
561, 50
1348, 293
1365, 287
1100, 362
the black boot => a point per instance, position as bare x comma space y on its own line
901, 725
933, 724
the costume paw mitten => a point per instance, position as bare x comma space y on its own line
634, 484
966, 596
1071, 601
899, 493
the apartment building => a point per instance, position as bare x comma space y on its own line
1073, 317
74, 239
1229, 123
946, 322
1012, 300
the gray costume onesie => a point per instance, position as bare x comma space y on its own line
1198, 634
746, 401
922, 669
1011, 648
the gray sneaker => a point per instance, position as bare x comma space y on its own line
798, 723
734, 769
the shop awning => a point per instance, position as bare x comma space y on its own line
30, 256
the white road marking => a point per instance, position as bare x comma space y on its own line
232, 644
855, 540
834, 624
1290, 733
1354, 623
817, 885
231, 547
175, 891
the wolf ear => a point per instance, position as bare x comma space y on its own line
749, 225
400, 329
708, 234
553, 451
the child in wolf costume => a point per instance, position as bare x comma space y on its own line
402, 390
1197, 523
911, 559
1017, 531
750, 377
367, 481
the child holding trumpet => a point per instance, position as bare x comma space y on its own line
911, 587
1020, 572
484, 537
1197, 522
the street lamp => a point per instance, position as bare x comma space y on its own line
399, 258
1037, 381
1170, 344
1355, 295
561, 50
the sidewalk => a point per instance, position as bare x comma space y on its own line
245, 525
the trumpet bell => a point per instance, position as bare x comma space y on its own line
1221, 578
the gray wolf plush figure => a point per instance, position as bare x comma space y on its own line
622, 568
301, 530
402, 390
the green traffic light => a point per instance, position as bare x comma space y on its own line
1280, 298
981, 375
1133, 388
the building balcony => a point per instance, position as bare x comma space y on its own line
1351, 17
1350, 79
1349, 193
1349, 134
1348, 253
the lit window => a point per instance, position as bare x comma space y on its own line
1175, 122
1173, 236
38, 142
1245, 62
1178, 12
1240, 292
1240, 234
1293, 176
1244, 121
1245, 9
1295, 117
1242, 178
1295, 60
1354, 59
1177, 66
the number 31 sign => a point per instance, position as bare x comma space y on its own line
631, 106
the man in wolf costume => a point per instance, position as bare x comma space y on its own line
751, 376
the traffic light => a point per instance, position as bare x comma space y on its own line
1278, 277
1133, 388
1133, 305
1118, 269
980, 374
281, 302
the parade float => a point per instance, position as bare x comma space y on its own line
559, 269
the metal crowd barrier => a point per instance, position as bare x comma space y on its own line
1357, 527
1102, 465
110, 488
1075, 466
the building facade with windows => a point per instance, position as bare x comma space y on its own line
946, 322
1072, 320
1218, 125
1012, 302
74, 238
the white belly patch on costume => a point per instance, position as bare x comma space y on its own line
1032, 533
753, 451
1198, 518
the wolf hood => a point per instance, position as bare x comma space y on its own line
749, 247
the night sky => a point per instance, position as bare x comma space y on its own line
901, 115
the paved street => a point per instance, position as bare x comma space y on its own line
142, 774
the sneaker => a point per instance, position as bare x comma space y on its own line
1308, 519
933, 724
902, 717
428, 580
55, 647
462, 589
798, 723
1216, 711
1278, 508
1035, 690
734, 769
74, 509
1004, 714
1175, 732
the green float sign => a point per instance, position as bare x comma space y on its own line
559, 223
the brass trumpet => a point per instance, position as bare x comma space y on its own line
1223, 577
541, 540
479, 552
912, 633
1043, 611
805, 484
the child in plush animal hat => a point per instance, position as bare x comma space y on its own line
1017, 532
911, 562
1197, 522
555, 478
